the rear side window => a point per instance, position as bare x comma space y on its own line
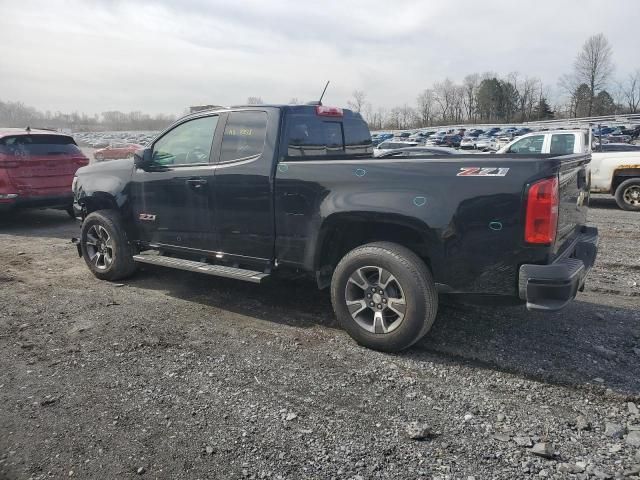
244, 135
562, 144
40, 145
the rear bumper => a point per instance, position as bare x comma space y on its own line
552, 287
56, 201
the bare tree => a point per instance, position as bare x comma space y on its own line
294, 101
445, 94
380, 118
630, 91
593, 65
569, 84
470, 87
255, 101
358, 101
426, 107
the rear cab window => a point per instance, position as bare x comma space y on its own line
309, 135
562, 144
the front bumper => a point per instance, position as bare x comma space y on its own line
551, 287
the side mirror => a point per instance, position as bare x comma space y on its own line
142, 158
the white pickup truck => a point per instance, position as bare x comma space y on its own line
615, 167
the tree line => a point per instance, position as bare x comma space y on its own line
17, 114
588, 90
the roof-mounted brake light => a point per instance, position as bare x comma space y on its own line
328, 111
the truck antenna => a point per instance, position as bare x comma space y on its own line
323, 92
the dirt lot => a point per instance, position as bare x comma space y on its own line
175, 375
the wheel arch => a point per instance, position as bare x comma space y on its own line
97, 201
622, 174
342, 232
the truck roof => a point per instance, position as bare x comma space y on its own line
567, 130
299, 109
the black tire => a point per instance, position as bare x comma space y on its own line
416, 285
625, 195
99, 157
120, 251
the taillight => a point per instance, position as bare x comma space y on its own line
328, 111
541, 223
81, 161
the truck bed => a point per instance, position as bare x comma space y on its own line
468, 210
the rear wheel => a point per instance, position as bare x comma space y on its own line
105, 246
99, 157
384, 296
628, 194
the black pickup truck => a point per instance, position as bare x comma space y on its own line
251, 192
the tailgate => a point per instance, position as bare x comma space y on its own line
573, 182
42, 165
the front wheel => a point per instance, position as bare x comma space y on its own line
384, 296
628, 194
105, 247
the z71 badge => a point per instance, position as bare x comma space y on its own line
482, 172
147, 217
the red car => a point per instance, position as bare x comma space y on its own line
37, 169
116, 150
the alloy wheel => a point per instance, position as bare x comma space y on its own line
99, 247
375, 299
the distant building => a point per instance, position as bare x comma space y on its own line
199, 108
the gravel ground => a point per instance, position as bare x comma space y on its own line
175, 375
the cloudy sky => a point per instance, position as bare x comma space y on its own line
162, 56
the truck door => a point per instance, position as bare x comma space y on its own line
173, 200
243, 187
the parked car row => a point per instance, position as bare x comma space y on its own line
105, 139
490, 138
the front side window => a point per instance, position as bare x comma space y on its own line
187, 144
562, 144
528, 145
244, 135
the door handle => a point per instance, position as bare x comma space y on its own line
196, 182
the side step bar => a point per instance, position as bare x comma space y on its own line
200, 267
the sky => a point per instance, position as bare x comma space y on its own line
162, 56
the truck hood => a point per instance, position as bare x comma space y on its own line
116, 167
